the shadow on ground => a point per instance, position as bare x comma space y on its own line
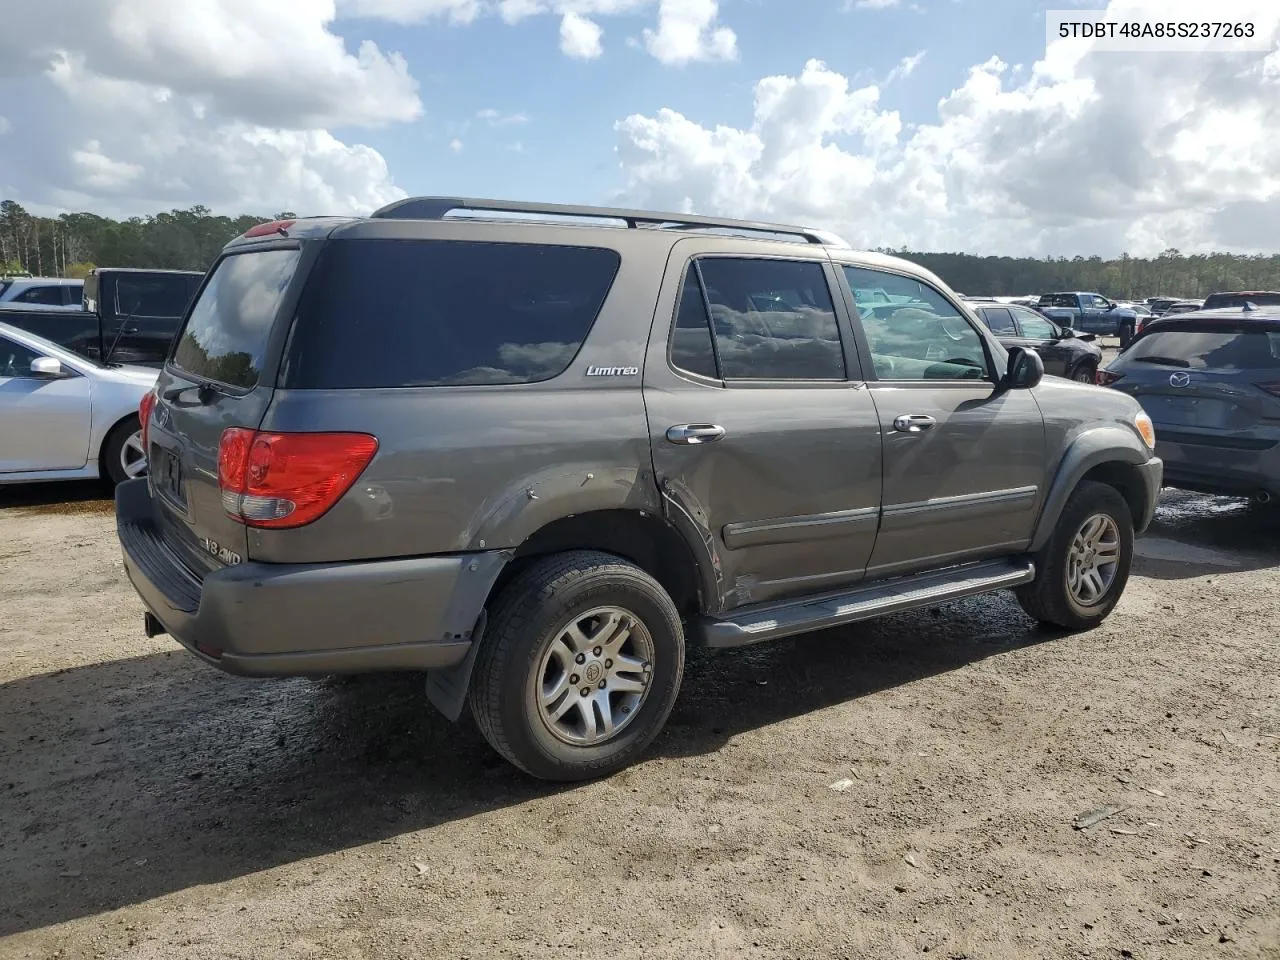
127, 780
62, 497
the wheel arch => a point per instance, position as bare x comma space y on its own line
1110, 455
105, 440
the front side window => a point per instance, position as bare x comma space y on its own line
1035, 327
44, 296
770, 319
921, 336
15, 359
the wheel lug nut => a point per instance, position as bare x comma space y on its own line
598, 650
586, 691
601, 684
580, 658
574, 679
608, 664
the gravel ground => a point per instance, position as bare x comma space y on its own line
151, 807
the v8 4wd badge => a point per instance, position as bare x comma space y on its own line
215, 549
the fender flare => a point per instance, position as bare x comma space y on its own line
1090, 449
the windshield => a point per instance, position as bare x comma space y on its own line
225, 338
1229, 349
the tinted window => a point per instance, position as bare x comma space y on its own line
1000, 320
47, 296
772, 319
225, 338
1058, 300
162, 296
691, 346
1036, 328
419, 313
921, 336
1203, 349
15, 359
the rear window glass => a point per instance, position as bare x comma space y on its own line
1209, 349
1217, 300
418, 313
158, 296
225, 338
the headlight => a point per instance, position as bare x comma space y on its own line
1146, 428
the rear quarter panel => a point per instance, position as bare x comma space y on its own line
484, 467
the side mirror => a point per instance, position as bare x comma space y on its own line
1025, 369
1065, 333
1087, 337
47, 368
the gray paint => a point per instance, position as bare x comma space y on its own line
809, 493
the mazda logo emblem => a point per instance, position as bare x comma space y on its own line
1179, 379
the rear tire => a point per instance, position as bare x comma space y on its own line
561, 688
122, 455
1076, 588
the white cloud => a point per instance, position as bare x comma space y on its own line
5, 126
1085, 154
580, 37
496, 118
227, 105
905, 68
688, 31
455, 145
412, 11
871, 4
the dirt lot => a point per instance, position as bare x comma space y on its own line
153, 808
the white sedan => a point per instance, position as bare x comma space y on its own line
63, 417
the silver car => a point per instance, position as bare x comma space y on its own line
63, 417
41, 293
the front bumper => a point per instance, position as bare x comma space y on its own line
267, 619
1152, 473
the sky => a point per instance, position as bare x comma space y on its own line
938, 125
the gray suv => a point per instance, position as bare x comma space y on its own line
534, 456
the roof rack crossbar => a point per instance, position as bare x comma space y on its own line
437, 208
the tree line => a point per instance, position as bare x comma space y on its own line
73, 243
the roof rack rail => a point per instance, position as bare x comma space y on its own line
436, 208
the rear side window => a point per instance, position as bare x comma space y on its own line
1000, 320
1208, 349
422, 313
768, 320
225, 338
44, 296
161, 296
1058, 300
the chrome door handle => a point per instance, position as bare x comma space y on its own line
914, 423
695, 433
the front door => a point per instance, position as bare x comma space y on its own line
44, 423
1043, 336
963, 460
765, 440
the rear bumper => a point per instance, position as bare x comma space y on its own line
266, 619
1152, 473
1217, 468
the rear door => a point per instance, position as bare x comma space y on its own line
964, 462
765, 441
1043, 336
220, 375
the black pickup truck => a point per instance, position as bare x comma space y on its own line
128, 315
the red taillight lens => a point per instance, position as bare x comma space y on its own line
288, 479
145, 406
1105, 378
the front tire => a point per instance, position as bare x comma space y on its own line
579, 666
122, 455
1086, 372
1082, 571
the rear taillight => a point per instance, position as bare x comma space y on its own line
1271, 388
145, 406
1105, 378
268, 229
288, 479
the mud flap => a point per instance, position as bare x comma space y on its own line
447, 689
